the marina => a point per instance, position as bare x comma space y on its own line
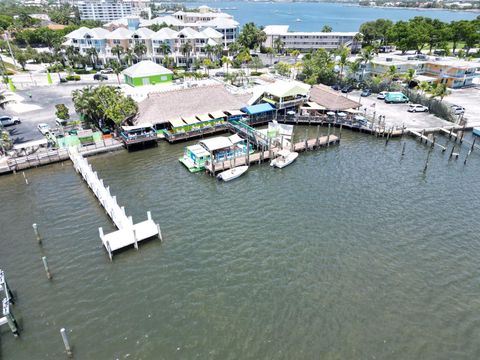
232, 281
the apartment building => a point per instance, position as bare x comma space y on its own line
453, 72
306, 41
198, 21
109, 10
165, 42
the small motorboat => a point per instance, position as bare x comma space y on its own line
298, 20
284, 158
476, 131
231, 174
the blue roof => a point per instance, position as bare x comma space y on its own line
257, 109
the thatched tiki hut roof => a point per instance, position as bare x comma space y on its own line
331, 99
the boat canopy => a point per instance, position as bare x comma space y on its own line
198, 150
235, 139
257, 109
216, 143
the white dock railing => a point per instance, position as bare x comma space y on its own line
128, 233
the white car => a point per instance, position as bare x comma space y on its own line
8, 120
381, 95
417, 108
458, 110
43, 128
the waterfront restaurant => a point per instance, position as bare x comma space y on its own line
328, 99
286, 95
186, 113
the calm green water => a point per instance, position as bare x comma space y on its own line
350, 253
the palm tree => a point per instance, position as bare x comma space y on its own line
139, 50
424, 87
440, 90
116, 68
410, 75
129, 56
207, 63
343, 52
354, 68
185, 49
165, 49
3, 100
93, 55
327, 29
70, 53
233, 48
167, 61
208, 50
118, 50
278, 45
295, 54
226, 61
366, 57
244, 57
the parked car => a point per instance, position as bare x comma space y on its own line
417, 108
100, 77
9, 121
336, 87
396, 97
347, 89
106, 71
220, 73
61, 122
366, 92
381, 95
43, 128
457, 110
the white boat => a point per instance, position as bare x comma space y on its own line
231, 174
298, 20
284, 158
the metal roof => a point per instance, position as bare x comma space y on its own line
257, 109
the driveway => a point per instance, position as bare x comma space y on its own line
397, 114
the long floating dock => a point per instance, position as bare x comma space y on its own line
128, 233
261, 156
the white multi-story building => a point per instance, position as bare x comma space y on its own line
306, 41
165, 42
110, 10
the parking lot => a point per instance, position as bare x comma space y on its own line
39, 108
469, 98
396, 114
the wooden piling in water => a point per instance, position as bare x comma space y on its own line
37, 234
45, 266
66, 343
426, 162
403, 148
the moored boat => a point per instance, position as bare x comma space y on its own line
476, 131
284, 158
231, 174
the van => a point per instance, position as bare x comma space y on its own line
396, 97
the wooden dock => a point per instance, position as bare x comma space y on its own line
460, 138
261, 156
128, 233
427, 140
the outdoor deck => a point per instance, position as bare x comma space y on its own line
259, 157
128, 233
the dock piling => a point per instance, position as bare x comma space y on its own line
68, 349
159, 232
37, 234
318, 135
426, 161
403, 148
8, 318
45, 266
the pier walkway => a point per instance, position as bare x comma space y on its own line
427, 139
264, 155
128, 233
247, 132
